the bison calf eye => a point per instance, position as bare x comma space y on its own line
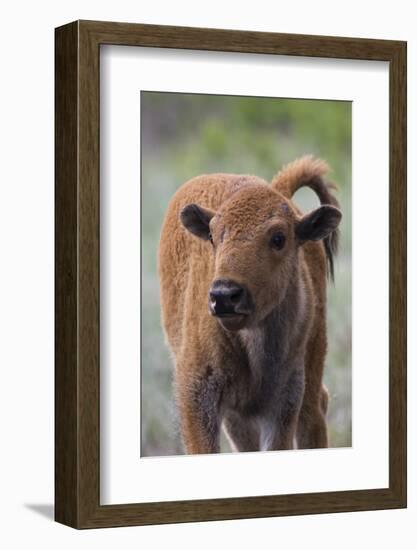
210, 238
278, 240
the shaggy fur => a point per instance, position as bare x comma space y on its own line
308, 172
259, 374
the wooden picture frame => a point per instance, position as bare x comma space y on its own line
77, 372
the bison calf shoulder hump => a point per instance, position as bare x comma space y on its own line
243, 277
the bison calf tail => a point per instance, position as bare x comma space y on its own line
309, 172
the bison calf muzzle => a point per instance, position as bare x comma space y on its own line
227, 298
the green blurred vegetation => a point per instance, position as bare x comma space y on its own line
184, 135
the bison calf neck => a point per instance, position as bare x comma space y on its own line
243, 277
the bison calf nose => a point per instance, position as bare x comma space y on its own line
227, 298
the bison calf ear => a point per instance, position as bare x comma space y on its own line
196, 219
318, 224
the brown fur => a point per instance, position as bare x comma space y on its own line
260, 377
308, 172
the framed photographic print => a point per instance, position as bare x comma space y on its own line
230, 274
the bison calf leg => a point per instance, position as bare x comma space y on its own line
312, 427
286, 434
199, 400
291, 399
241, 433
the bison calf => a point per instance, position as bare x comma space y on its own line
243, 296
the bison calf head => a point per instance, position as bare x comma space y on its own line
255, 237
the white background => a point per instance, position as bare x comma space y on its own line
26, 299
124, 477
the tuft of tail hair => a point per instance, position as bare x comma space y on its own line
309, 171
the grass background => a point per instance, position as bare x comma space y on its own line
184, 135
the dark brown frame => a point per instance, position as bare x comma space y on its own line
77, 406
